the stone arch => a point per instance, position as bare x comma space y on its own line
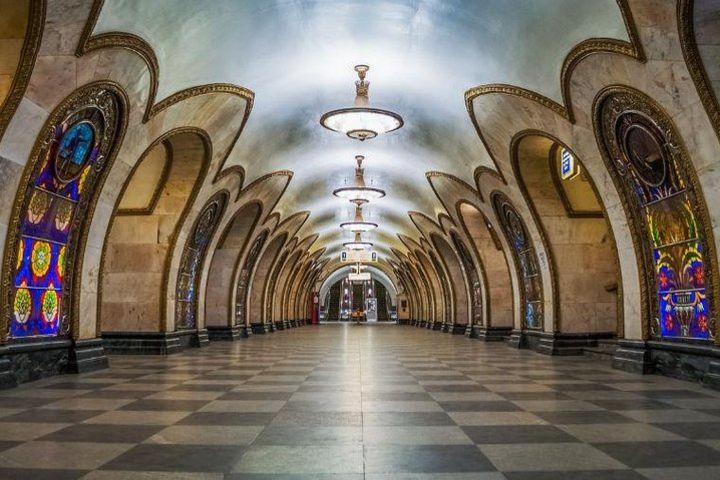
258, 281
500, 286
21, 29
144, 228
233, 244
578, 236
52, 210
457, 281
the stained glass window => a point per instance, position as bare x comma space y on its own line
655, 180
191, 261
248, 266
473, 277
270, 295
444, 286
525, 257
66, 177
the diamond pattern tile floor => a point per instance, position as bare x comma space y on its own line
371, 402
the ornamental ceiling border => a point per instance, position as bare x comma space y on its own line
632, 49
127, 41
28, 54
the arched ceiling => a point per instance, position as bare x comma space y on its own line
297, 56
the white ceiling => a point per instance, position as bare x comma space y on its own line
297, 56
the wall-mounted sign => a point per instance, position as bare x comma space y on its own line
358, 256
568, 166
359, 277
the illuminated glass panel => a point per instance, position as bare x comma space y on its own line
65, 178
192, 260
653, 173
525, 257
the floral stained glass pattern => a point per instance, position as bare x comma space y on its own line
69, 168
654, 179
192, 260
525, 256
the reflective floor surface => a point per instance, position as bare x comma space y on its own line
372, 402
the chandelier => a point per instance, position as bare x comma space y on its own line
358, 224
360, 121
359, 192
358, 243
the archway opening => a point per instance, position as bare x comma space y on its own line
150, 211
569, 213
230, 252
499, 316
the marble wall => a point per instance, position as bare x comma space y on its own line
138, 245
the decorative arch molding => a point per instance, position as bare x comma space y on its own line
694, 61
30, 48
48, 229
187, 290
632, 49
675, 245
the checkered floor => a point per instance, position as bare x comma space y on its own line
359, 402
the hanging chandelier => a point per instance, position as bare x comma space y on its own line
358, 243
360, 121
359, 192
358, 224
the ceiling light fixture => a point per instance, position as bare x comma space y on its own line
359, 192
360, 121
358, 243
358, 224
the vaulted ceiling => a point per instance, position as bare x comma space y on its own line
297, 56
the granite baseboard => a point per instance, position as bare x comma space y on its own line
489, 334
404, 321
153, 343
556, 343
28, 361
87, 356
687, 361
436, 326
260, 328
457, 329
228, 334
